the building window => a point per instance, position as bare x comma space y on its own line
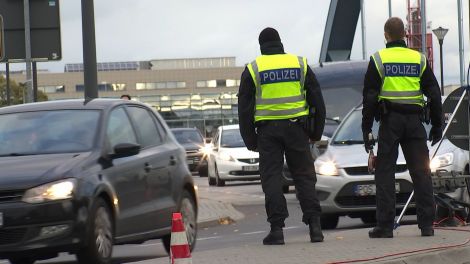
52, 88
217, 83
104, 87
159, 85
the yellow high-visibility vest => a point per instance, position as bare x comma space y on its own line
279, 81
401, 70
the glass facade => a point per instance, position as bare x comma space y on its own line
204, 111
218, 83
104, 87
159, 85
52, 88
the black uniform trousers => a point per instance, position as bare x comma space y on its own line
276, 138
408, 131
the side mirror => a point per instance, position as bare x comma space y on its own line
125, 150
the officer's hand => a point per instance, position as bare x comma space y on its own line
368, 144
435, 135
252, 148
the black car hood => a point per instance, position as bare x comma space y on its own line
192, 146
23, 172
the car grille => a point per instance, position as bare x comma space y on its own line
193, 151
11, 236
10, 196
350, 201
249, 161
362, 170
347, 198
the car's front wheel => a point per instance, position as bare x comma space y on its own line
101, 237
189, 213
219, 182
369, 218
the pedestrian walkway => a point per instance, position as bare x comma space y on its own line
212, 212
349, 246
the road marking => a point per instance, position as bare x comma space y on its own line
291, 227
252, 233
207, 238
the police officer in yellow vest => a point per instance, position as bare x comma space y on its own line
276, 92
394, 85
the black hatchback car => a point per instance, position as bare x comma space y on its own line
196, 152
81, 176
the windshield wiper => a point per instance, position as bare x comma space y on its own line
348, 142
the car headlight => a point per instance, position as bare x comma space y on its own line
205, 150
327, 168
225, 156
58, 190
441, 161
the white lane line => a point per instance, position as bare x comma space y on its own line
252, 233
291, 227
207, 238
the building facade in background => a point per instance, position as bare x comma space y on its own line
199, 92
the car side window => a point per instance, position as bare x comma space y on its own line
145, 126
119, 129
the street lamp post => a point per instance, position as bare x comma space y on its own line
440, 33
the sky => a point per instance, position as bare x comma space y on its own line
160, 29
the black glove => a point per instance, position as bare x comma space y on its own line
435, 135
368, 143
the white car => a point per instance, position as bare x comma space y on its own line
229, 159
344, 185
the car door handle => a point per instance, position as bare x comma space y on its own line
148, 167
173, 161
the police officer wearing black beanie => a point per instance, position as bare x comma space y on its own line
275, 95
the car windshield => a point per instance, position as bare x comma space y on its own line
188, 136
231, 138
47, 132
350, 131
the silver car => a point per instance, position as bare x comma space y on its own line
344, 185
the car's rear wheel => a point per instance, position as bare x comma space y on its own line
21, 261
329, 221
218, 181
189, 212
101, 236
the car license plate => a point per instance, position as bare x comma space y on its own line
1, 219
190, 161
250, 168
369, 189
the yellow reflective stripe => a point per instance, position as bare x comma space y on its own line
400, 93
284, 112
422, 63
255, 69
405, 101
282, 100
302, 76
379, 65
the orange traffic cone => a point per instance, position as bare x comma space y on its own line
179, 247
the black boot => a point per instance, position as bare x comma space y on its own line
381, 232
427, 231
275, 237
315, 230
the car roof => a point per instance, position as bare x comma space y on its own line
72, 104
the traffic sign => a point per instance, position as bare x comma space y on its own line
458, 129
45, 30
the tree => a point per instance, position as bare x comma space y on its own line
17, 92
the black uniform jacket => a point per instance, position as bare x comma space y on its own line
373, 84
247, 100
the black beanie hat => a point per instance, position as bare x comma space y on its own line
268, 35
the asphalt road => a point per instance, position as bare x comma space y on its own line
248, 198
